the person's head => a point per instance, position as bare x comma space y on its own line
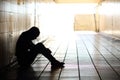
33, 33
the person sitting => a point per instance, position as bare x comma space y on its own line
26, 50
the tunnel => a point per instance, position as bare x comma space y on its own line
84, 34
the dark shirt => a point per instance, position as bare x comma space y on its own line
24, 45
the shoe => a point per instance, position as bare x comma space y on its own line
57, 64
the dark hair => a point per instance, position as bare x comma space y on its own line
33, 32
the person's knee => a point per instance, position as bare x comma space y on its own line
40, 48
40, 45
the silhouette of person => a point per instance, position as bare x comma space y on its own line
26, 50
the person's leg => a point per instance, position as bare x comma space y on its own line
47, 53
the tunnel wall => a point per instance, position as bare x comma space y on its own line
108, 17
15, 17
84, 22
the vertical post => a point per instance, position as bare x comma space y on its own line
96, 28
96, 14
34, 12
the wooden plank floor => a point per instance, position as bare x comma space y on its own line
86, 56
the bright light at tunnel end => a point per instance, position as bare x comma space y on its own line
58, 19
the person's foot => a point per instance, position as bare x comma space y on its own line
57, 64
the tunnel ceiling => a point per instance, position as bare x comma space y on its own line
77, 1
